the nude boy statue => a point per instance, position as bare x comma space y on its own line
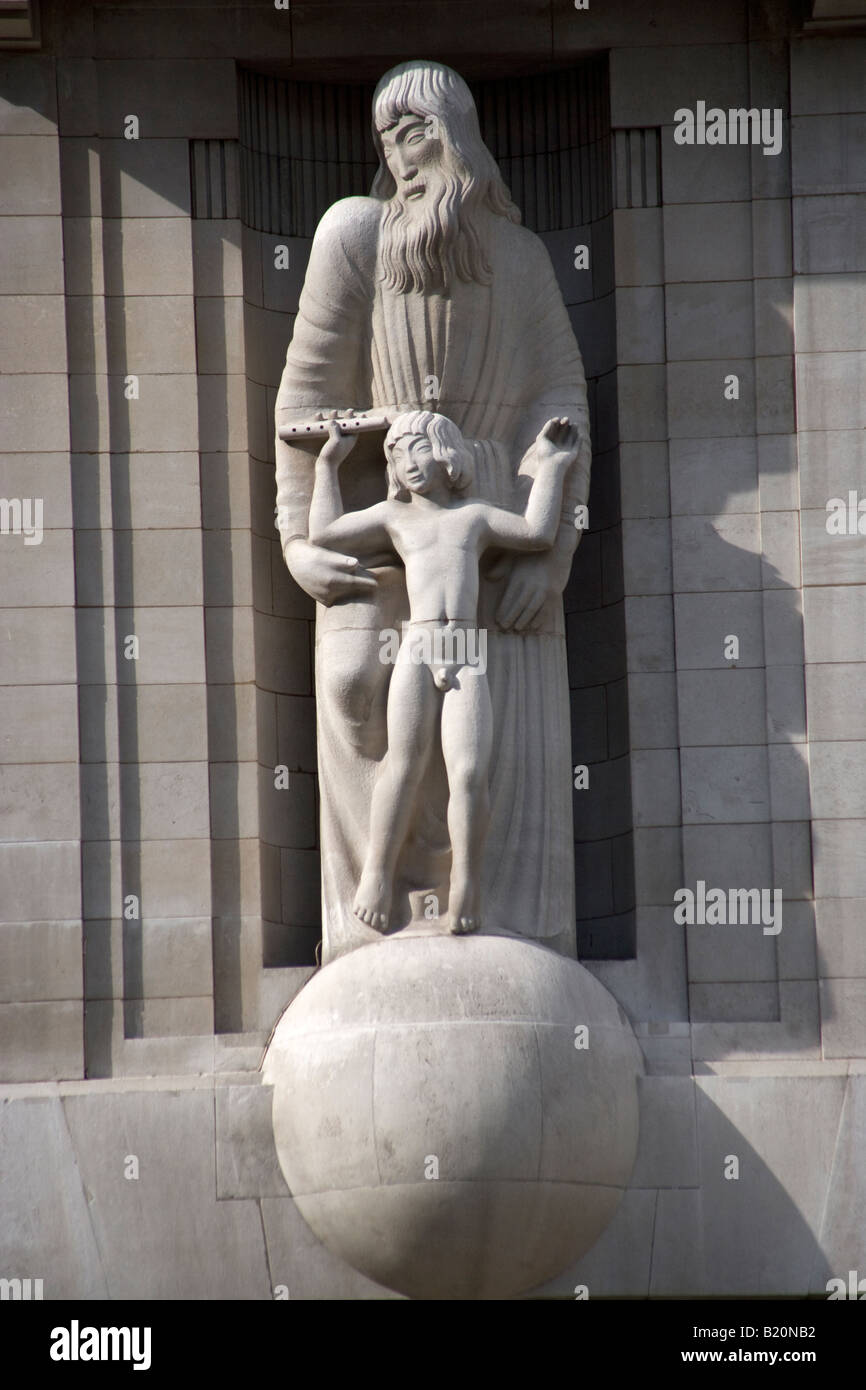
440, 535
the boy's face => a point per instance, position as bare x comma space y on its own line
414, 463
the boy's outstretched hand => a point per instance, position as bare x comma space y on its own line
557, 441
338, 445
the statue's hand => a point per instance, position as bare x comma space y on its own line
534, 578
557, 442
325, 574
338, 446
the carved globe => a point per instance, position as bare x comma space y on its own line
457, 1117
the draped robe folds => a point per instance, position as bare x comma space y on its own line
499, 360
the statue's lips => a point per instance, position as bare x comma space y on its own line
415, 191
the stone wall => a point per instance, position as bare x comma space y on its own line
828, 204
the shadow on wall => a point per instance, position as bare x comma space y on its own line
152, 544
741, 715
716, 683
726, 1201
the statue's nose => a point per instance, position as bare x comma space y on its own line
406, 165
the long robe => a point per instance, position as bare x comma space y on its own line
499, 360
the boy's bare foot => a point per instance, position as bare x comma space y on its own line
462, 926
464, 914
373, 901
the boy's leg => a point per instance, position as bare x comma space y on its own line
467, 739
413, 704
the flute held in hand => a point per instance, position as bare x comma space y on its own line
349, 422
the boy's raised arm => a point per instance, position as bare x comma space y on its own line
326, 503
556, 448
329, 524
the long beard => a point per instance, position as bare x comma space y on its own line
426, 249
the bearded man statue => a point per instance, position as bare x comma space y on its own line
430, 295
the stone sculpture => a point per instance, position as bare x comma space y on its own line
454, 1109
440, 538
429, 295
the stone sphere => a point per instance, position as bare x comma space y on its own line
457, 1117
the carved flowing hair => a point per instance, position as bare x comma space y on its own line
447, 443
425, 253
